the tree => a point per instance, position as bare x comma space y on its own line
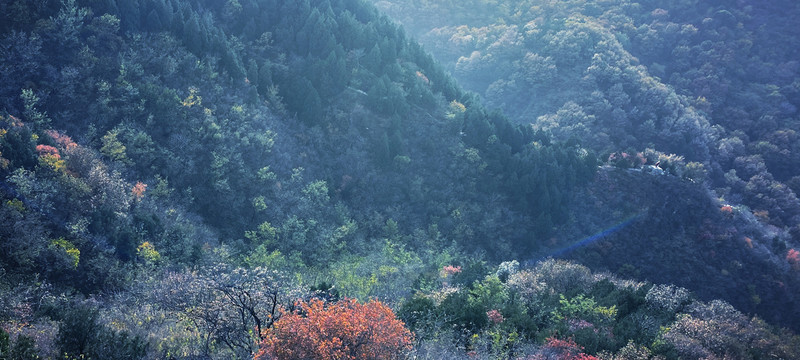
67, 27
337, 330
39, 119
112, 147
229, 307
82, 335
717, 330
21, 58
23, 348
556, 348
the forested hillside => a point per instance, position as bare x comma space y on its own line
715, 83
707, 90
203, 179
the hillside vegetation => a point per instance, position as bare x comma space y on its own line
707, 90
201, 179
709, 81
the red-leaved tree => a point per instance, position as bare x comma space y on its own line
793, 257
337, 330
559, 349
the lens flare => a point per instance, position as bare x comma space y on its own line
590, 239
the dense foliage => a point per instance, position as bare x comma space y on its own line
343, 329
560, 310
197, 179
703, 90
705, 80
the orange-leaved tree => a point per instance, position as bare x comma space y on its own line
336, 330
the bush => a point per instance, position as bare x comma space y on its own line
82, 336
339, 330
24, 348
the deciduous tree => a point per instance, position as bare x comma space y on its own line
338, 330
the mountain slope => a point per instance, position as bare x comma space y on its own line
707, 81
243, 116
703, 89
177, 173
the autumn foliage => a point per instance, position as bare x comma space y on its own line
793, 257
495, 317
560, 349
336, 330
63, 140
50, 157
47, 150
138, 190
